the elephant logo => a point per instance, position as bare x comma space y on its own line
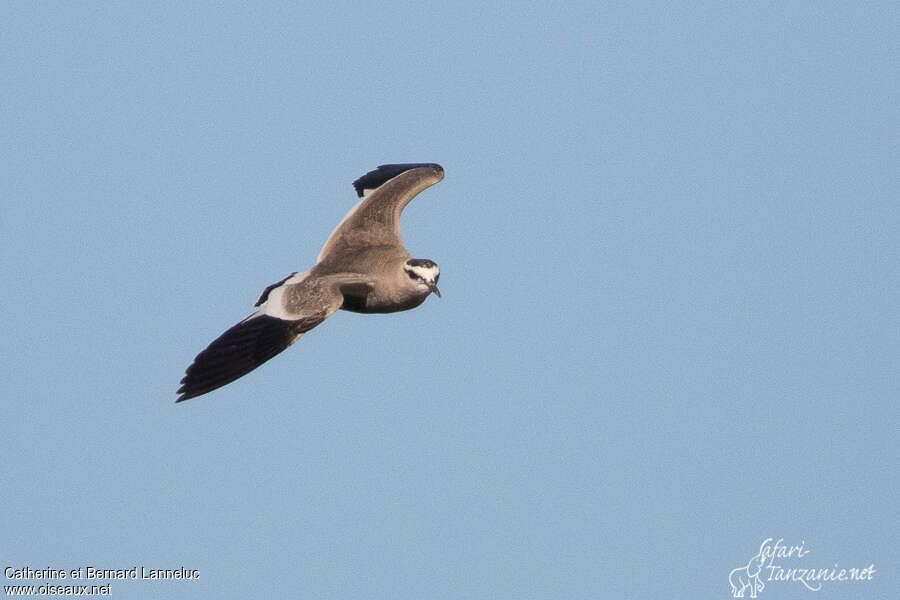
748, 576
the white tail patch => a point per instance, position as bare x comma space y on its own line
274, 304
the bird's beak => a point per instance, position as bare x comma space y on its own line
434, 289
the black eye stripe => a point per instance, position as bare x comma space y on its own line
420, 262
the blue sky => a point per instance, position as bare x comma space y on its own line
669, 242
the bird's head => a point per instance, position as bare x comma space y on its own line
424, 273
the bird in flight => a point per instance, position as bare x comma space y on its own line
363, 267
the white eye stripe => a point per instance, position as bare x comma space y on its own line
426, 273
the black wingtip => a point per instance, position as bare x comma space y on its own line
383, 173
183, 394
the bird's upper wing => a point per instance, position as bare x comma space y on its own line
385, 192
287, 310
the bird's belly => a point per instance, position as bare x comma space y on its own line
373, 303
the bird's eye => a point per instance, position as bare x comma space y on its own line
412, 275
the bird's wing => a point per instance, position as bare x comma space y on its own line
287, 310
384, 193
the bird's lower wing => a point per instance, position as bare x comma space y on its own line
291, 308
239, 350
